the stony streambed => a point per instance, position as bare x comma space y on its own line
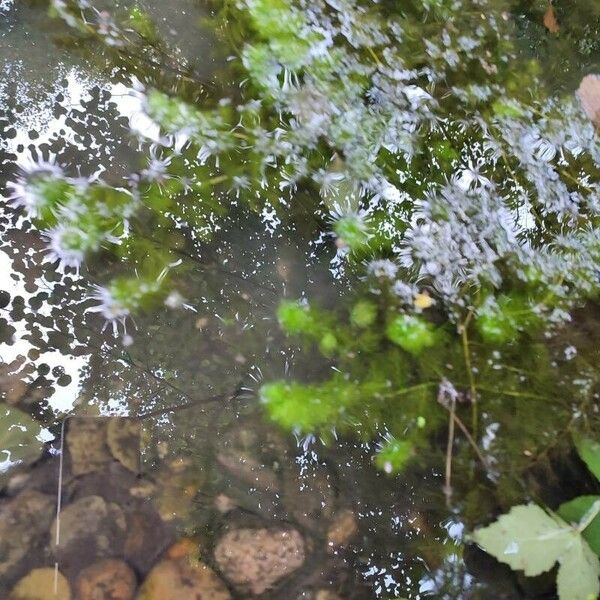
120, 532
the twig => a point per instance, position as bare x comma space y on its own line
514, 393
449, 446
469, 367
471, 441
177, 407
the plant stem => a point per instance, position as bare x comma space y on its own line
469, 367
589, 516
449, 446
414, 388
513, 393
471, 441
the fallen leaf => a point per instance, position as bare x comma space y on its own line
550, 21
589, 96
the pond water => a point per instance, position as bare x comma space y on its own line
140, 441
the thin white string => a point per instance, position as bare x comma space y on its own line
60, 479
59, 499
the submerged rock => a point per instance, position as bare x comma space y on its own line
123, 436
224, 504
179, 481
180, 575
87, 445
106, 580
24, 522
93, 443
326, 595
341, 531
42, 584
254, 560
311, 499
89, 528
252, 454
249, 470
147, 537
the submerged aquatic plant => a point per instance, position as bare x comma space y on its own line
459, 190
38, 190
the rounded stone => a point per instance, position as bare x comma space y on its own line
108, 578
254, 560
24, 522
342, 530
89, 528
182, 577
42, 584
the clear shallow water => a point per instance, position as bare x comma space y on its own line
210, 461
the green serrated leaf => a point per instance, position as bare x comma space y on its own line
530, 540
589, 451
577, 577
574, 510
527, 539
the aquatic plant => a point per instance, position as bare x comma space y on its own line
532, 539
446, 177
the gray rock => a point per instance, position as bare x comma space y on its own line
87, 445
90, 528
24, 522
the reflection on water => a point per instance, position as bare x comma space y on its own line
167, 481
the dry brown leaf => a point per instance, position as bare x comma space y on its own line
550, 21
589, 96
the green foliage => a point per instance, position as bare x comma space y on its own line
589, 451
496, 327
363, 313
49, 193
393, 455
503, 319
381, 387
411, 333
172, 113
530, 540
575, 510
351, 231
328, 344
305, 408
298, 318
143, 24
286, 42
420, 138
505, 108
133, 293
